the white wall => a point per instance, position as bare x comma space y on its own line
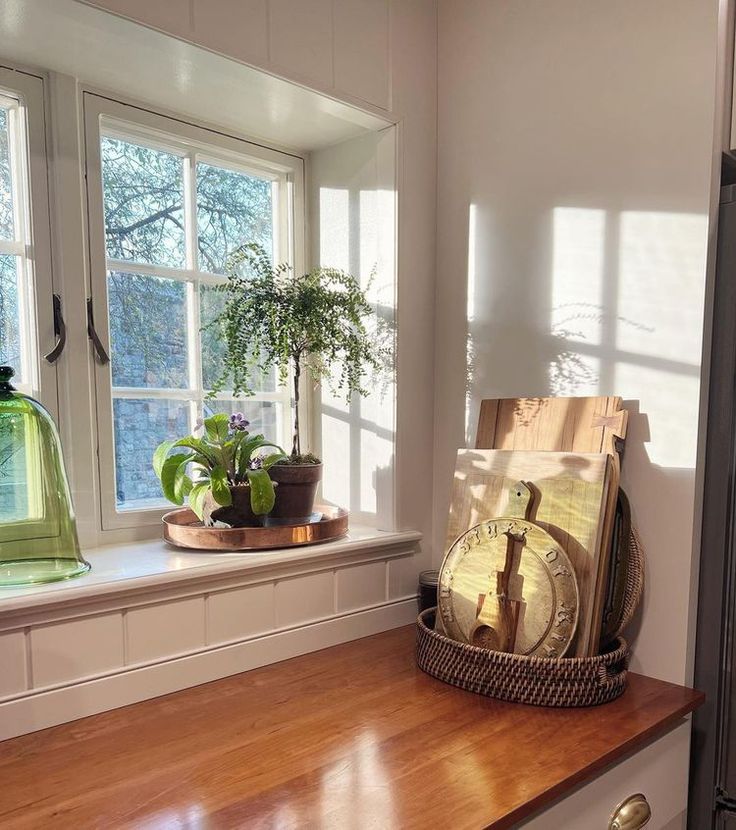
351, 202
574, 155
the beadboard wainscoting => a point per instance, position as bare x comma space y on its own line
74, 649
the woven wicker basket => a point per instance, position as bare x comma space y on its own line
540, 681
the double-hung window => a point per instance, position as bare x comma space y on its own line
174, 202
26, 321
26, 317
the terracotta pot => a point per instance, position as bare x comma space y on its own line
296, 487
238, 514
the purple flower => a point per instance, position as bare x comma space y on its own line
238, 422
256, 463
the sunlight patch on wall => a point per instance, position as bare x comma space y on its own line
577, 273
334, 225
659, 318
670, 401
368, 205
336, 460
660, 285
577, 302
470, 319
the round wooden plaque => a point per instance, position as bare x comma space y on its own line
507, 585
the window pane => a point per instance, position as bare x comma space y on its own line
148, 331
144, 203
14, 492
140, 426
266, 417
10, 340
232, 209
6, 191
213, 348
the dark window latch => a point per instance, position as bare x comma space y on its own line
102, 355
59, 332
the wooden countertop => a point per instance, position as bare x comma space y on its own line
353, 736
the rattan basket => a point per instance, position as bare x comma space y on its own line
540, 681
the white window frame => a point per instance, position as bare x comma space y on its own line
103, 116
24, 92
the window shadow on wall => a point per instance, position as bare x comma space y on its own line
601, 302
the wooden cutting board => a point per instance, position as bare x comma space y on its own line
553, 424
591, 424
571, 491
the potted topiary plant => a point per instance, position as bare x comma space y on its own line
315, 323
225, 478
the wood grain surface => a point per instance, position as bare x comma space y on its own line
594, 424
585, 425
571, 492
354, 736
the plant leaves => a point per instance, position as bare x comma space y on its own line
159, 456
217, 427
199, 446
262, 496
169, 473
182, 484
247, 448
274, 458
197, 497
220, 486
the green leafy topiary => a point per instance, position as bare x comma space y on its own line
315, 322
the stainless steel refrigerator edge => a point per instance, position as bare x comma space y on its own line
712, 800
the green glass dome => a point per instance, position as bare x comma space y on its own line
38, 534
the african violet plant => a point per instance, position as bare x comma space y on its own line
225, 456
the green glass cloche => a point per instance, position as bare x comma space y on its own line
38, 534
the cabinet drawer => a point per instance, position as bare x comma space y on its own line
659, 771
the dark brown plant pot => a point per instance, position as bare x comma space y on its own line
296, 487
238, 514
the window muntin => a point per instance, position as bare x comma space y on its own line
173, 215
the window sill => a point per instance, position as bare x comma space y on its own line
154, 566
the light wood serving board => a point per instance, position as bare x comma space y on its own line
554, 424
571, 490
590, 424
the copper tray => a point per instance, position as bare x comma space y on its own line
183, 529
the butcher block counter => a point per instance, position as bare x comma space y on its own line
354, 736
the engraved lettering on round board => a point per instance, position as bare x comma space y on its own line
506, 584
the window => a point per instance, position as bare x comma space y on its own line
176, 204
25, 260
25, 273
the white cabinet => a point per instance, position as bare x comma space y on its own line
659, 771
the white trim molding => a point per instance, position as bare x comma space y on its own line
149, 620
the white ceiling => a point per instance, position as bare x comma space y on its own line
116, 55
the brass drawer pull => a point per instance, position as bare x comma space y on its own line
631, 814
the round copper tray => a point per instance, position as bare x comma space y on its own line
183, 529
